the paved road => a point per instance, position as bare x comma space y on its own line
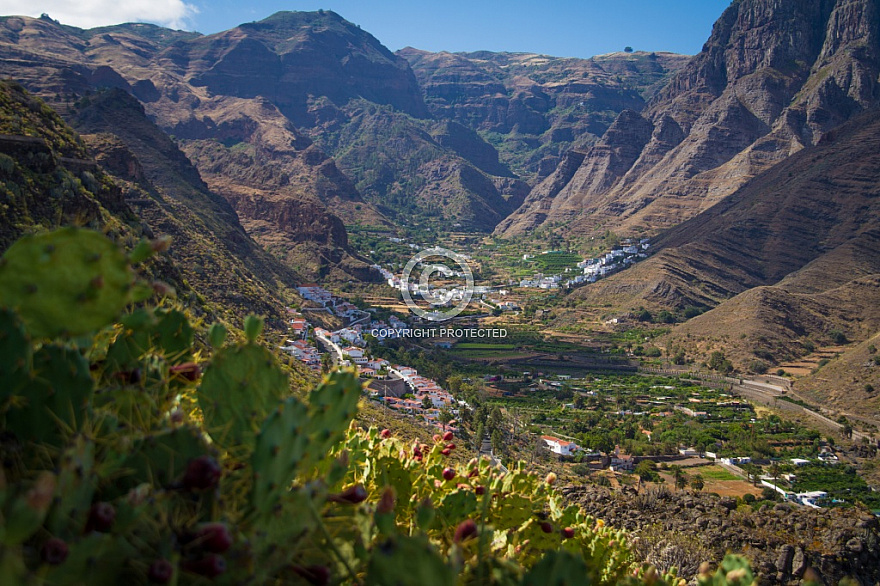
486, 450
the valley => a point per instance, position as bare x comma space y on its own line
651, 278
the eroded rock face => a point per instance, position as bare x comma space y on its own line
537, 106
772, 78
782, 542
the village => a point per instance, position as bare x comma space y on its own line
593, 269
398, 387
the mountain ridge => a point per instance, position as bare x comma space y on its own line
771, 79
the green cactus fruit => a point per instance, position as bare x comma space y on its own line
253, 327
280, 448
408, 561
66, 282
160, 459
15, 355
241, 386
557, 568
55, 400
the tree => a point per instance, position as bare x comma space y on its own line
426, 402
445, 415
326, 363
679, 358
479, 434
497, 442
645, 470
627, 49
697, 482
679, 476
717, 361
752, 471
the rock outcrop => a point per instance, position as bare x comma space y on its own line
772, 79
782, 541
538, 107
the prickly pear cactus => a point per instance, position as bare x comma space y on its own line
332, 406
280, 448
53, 403
160, 459
557, 568
295, 435
117, 480
15, 355
77, 481
67, 282
409, 561
241, 386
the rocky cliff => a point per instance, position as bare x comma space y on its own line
782, 541
782, 263
534, 108
141, 188
772, 78
280, 90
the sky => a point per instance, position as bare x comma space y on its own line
563, 28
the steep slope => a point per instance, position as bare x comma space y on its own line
772, 78
358, 102
273, 88
534, 108
64, 65
785, 262
52, 176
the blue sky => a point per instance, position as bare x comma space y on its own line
564, 28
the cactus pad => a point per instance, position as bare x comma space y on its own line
66, 282
408, 561
55, 399
242, 385
557, 568
161, 459
280, 448
15, 355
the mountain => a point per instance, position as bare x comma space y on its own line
533, 107
279, 94
67, 66
787, 263
770, 81
142, 188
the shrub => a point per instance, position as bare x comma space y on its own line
837, 337
758, 367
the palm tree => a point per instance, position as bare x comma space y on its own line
680, 479
697, 482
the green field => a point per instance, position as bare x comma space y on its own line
483, 346
717, 473
556, 262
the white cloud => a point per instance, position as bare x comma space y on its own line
91, 13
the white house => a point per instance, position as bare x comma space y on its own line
353, 351
558, 446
